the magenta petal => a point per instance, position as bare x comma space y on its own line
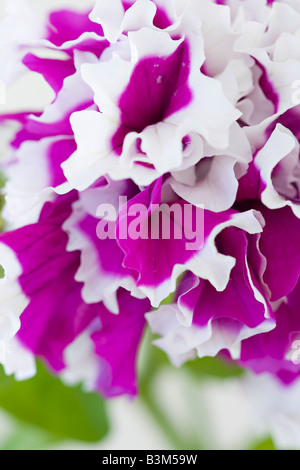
158, 88
36, 130
160, 20
267, 87
188, 293
53, 71
68, 25
237, 302
105, 248
59, 152
267, 352
290, 120
279, 243
251, 184
117, 344
56, 313
154, 258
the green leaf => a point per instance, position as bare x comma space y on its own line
44, 401
28, 437
152, 359
168, 300
266, 444
213, 367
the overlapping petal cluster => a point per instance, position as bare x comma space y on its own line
192, 104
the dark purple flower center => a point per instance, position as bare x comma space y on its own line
157, 88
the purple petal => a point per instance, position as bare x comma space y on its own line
117, 344
267, 86
68, 25
251, 184
36, 130
237, 301
290, 120
56, 313
59, 152
267, 352
154, 257
158, 88
53, 71
279, 243
105, 248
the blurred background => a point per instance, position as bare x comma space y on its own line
202, 405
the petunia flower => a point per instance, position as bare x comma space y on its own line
166, 166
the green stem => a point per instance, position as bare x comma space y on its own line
152, 360
178, 443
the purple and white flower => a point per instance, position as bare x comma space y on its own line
184, 112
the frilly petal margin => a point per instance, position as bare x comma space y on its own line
13, 302
204, 321
173, 105
159, 262
124, 140
42, 303
101, 266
